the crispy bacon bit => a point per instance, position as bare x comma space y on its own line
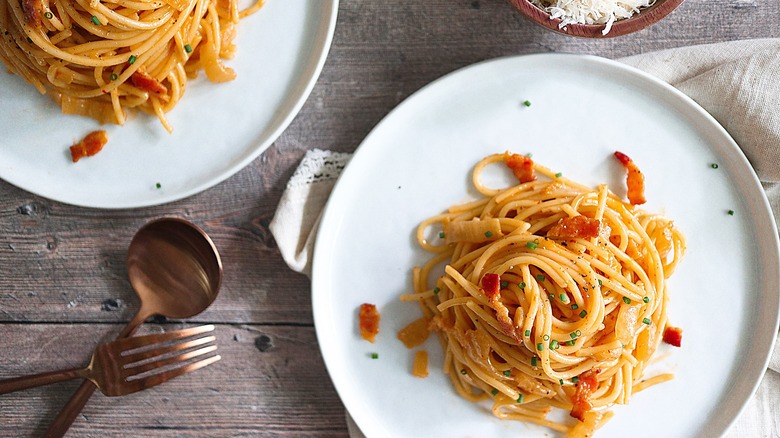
522, 166
491, 286
415, 333
634, 180
91, 145
587, 384
577, 227
144, 81
33, 11
369, 322
420, 367
673, 336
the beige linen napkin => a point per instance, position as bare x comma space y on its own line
737, 82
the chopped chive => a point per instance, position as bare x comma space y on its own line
132, 59
522, 285
188, 48
574, 306
730, 212
573, 335
48, 15
504, 284
114, 76
575, 379
464, 372
96, 20
533, 361
600, 283
552, 297
554, 345
528, 332
531, 245
583, 314
488, 234
540, 277
646, 299
29, 40
520, 398
374, 355
494, 392
158, 185
646, 321
570, 343
564, 298
627, 300
560, 381
529, 155
546, 337
527, 103
714, 165
507, 373
578, 333
540, 346
558, 175
441, 235
436, 290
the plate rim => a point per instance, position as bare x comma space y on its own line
329, 214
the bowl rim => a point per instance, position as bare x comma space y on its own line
648, 17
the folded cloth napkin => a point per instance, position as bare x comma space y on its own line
737, 82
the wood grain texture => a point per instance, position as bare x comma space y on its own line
63, 282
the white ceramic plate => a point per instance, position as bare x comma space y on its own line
218, 128
417, 162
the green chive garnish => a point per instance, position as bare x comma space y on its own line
188, 48
646, 321
573, 335
96, 20
507, 373
552, 297
504, 284
570, 343
714, 165
540, 346
561, 381
730, 212
527, 103
48, 15
436, 290
578, 333
546, 337
441, 235
574, 306
627, 300
533, 361
132, 59
520, 399
464, 372
600, 283
583, 314
488, 234
374, 355
554, 345
29, 40
558, 175
646, 299
158, 185
529, 155
494, 392
575, 379
531, 245
114, 76
540, 277
522, 285
528, 332
564, 298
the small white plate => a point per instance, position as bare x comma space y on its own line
218, 128
417, 162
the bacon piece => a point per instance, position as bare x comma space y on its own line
577, 227
91, 145
634, 180
369, 322
144, 81
673, 336
522, 166
33, 11
587, 384
491, 286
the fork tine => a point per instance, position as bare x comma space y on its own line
137, 357
129, 373
127, 344
156, 379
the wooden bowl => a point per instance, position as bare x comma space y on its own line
643, 19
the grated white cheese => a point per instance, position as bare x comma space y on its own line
591, 11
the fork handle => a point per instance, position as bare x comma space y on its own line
35, 380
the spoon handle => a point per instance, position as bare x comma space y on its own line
35, 380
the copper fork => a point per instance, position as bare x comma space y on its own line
130, 365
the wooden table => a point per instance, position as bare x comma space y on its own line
63, 282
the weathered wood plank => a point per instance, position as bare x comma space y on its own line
270, 381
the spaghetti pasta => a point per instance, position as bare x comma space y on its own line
562, 308
98, 58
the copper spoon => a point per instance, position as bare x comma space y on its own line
176, 272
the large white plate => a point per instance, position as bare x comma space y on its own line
416, 162
218, 128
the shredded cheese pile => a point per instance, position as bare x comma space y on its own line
591, 11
